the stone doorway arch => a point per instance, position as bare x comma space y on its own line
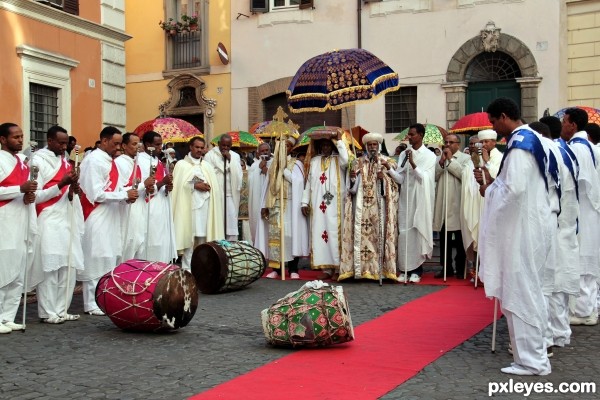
456, 83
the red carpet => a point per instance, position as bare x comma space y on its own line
378, 360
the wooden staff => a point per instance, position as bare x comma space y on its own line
406, 219
282, 165
494, 325
225, 194
480, 162
170, 216
380, 206
70, 260
33, 175
445, 217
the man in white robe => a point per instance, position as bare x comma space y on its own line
290, 173
322, 202
447, 210
196, 208
371, 208
133, 216
228, 169
471, 203
60, 226
514, 239
160, 236
100, 197
562, 263
17, 213
584, 311
416, 176
492, 157
257, 176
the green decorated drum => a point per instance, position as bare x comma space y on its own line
315, 315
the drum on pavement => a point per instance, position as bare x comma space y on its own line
221, 266
146, 296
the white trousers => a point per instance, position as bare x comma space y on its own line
585, 304
559, 330
186, 258
528, 345
51, 293
89, 295
10, 298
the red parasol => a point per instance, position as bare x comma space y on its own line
472, 122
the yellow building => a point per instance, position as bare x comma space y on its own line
179, 73
583, 43
62, 63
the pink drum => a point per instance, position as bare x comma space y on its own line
147, 296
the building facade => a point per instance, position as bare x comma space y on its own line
179, 69
452, 56
63, 62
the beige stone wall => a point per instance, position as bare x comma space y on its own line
583, 79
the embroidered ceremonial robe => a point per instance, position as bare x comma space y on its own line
324, 192
100, 197
415, 208
133, 216
370, 221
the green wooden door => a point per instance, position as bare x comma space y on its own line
481, 94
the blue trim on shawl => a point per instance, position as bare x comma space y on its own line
587, 143
568, 158
532, 144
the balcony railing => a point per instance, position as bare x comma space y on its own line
186, 50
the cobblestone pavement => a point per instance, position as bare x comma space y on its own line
92, 359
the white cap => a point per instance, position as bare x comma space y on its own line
487, 134
291, 140
372, 137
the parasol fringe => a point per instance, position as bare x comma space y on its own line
469, 129
340, 106
378, 80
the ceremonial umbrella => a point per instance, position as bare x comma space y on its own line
270, 129
338, 78
472, 122
433, 134
593, 114
171, 129
244, 140
305, 137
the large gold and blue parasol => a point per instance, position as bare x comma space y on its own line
336, 79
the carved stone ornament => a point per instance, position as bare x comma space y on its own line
186, 97
490, 36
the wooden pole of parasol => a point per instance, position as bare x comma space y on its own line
281, 159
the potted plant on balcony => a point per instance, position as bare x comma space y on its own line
170, 26
190, 21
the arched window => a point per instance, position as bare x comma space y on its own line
496, 66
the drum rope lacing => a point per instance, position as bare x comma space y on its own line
134, 282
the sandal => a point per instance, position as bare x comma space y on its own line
70, 317
53, 320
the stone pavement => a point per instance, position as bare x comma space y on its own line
92, 359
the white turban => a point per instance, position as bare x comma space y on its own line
372, 137
291, 140
487, 134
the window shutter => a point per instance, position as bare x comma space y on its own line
71, 6
261, 6
306, 4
